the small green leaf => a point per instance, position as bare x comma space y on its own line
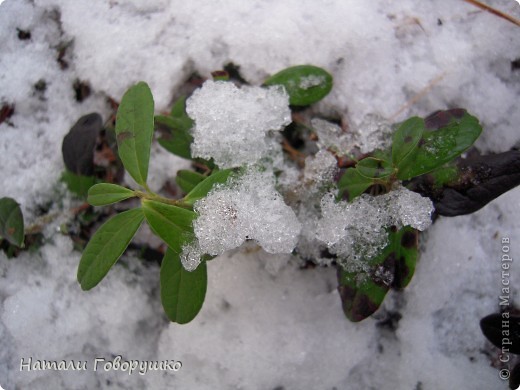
106, 246
445, 175
305, 84
393, 268
204, 187
182, 292
188, 180
404, 246
178, 112
398, 257
134, 130
171, 223
11, 222
105, 193
374, 168
406, 138
77, 184
352, 184
178, 141
359, 299
458, 131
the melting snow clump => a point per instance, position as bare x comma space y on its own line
355, 231
191, 256
331, 136
247, 207
374, 132
231, 123
311, 81
320, 168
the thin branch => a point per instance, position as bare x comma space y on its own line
494, 11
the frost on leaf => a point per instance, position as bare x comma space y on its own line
191, 256
232, 124
356, 231
248, 207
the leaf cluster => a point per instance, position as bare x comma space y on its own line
169, 219
182, 292
419, 146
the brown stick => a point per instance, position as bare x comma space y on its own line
494, 11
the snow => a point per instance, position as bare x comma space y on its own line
249, 207
356, 231
266, 323
231, 124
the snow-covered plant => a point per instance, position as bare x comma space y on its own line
329, 202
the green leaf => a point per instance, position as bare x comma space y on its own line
305, 84
11, 222
202, 189
352, 184
105, 193
134, 131
392, 268
178, 141
374, 168
398, 257
403, 249
445, 175
77, 184
457, 132
406, 138
178, 112
182, 292
106, 246
188, 180
359, 299
171, 223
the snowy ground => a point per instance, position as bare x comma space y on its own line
265, 323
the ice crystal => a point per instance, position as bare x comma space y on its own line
248, 207
231, 123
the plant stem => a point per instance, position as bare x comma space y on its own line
158, 198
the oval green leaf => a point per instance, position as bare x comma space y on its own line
406, 138
202, 189
177, 139
182, 292
11, 222
106, 193
352, 184
171, 223
305, 84
360, 299
374, 168
188, 180
77, 184
441, 146
134, 130
106, 246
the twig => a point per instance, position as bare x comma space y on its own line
494, 11
295, 155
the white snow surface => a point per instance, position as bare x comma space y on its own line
266, 323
